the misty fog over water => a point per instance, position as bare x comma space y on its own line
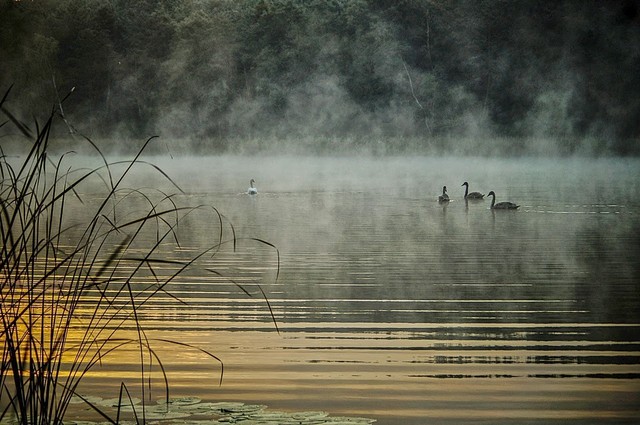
394, 306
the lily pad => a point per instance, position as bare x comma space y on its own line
90, 399
340, 420
115, 402
180, 401
309, 415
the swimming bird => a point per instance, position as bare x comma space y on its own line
501, 205
444, 197
472, 195
252, 190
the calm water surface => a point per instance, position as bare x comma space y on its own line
393, 306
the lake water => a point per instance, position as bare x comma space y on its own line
392, 306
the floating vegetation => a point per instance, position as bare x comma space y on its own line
191, 410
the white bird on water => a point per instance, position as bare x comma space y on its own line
472, 195
444, 197
252, 190
501, 205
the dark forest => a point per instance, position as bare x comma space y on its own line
210, 76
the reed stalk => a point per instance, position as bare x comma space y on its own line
68, 290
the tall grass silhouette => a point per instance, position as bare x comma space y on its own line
71, 292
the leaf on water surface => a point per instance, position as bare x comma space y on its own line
347, 421
247, 409
338, 420
231, 407
310, 415
114, 402
271, 417
91, 399
180, 401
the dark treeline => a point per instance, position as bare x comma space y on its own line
210, 75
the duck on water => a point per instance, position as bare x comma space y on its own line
505, 205
472, 195
444, 197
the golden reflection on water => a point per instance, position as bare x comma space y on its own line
299, 371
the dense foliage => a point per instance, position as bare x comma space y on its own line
321, 73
